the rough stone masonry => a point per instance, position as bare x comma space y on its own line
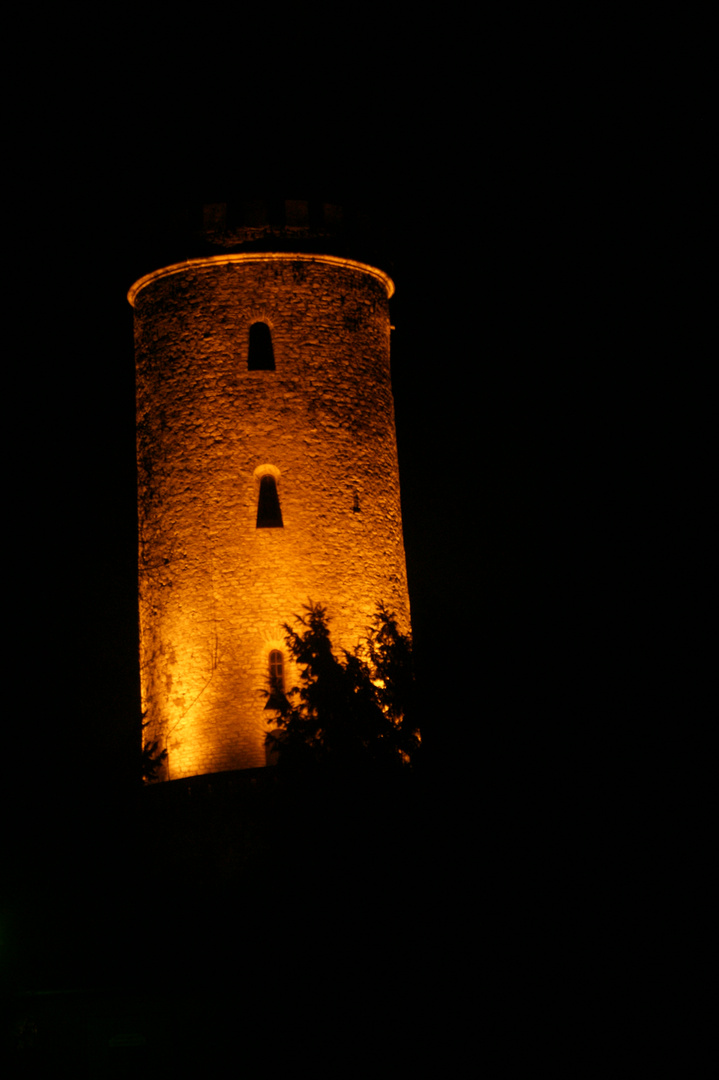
214, 587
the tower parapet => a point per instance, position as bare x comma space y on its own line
196, 228
275, 224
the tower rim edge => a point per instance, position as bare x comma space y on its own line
258, 256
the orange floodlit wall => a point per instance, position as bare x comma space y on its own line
318, 418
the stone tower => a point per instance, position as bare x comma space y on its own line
267, 470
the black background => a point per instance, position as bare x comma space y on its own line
549, 368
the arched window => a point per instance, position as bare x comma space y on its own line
277, 680
260, 354
277, 672
269, 515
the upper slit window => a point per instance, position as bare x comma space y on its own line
269, 515
260, 354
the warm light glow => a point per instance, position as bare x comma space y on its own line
215, 589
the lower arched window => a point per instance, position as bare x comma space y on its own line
275, 698
277, 672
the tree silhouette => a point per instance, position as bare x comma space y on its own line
353, 714
152, 758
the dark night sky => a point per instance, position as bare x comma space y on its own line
544, 434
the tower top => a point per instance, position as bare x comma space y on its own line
275, 223
196, 228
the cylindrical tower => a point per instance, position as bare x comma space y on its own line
267, 477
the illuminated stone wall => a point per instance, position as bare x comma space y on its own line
214, 588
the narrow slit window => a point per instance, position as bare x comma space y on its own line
260, 354
269, 515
